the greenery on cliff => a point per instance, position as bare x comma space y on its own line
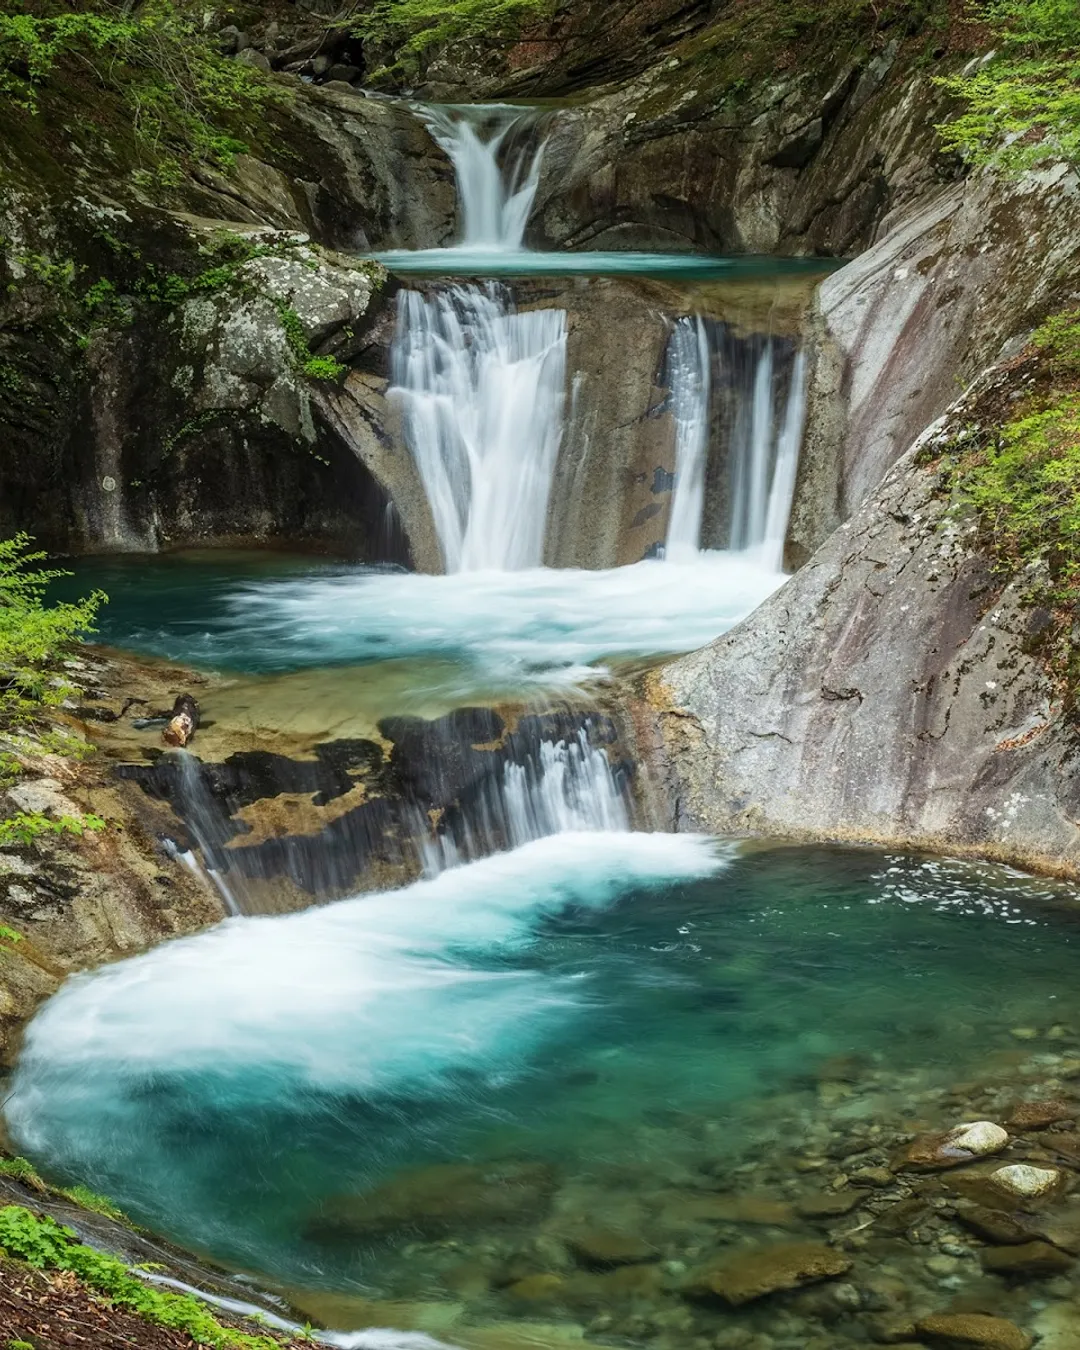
1022, 103
182, 95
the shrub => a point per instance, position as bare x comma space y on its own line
34, 636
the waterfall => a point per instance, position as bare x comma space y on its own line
197, 808
562, 787
481, 389
765, 437
497, 170
689, 376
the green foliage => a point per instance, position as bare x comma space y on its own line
315, 367
183, 96
20, 1345
34, 637
8, 936
18, 831
411, 26
1022, 107
44, 1244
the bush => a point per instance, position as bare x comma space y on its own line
34, 637
1022, 107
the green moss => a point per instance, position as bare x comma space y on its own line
8, 938
85, 1198
45, 1245
315, 367
1022, 107
411, 27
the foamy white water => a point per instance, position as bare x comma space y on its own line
481, 389
496, 177
539, 626
380, 993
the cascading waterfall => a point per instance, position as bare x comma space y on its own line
689, 374
563, 787
763, 451
481, 389
497, 169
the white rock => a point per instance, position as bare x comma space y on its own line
1024, 1180
977, 1138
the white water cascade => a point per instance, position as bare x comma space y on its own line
497, 168
763, 450
563, 787
481, 391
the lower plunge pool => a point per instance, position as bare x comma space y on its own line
544, 1091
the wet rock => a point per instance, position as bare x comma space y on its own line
993, 1225
828, 1204
600, 1247
963, 1143
1030, 1260
753, 1274
891, 1330
871, 1176
971, 1331
536, 1287
440, 1199
1038, 1115
683, 1207
1058, 1327
1024, 1182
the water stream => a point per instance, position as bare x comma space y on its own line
402, 1107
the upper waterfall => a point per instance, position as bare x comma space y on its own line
497, 169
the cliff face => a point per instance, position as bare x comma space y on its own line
163, 348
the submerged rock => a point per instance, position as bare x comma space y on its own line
961, 1144
1025, 1182
972, 1331
440, 1199
1038, 1115
766, 1270
1031, 1260
607, 1247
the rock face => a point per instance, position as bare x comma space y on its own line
933, 1152
886, 693
918, 315
166, 361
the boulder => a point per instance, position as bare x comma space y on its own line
827, 1204
993, 1225
972, 1331
753, 1274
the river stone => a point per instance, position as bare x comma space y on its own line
992, 1225
1030, 1260
752, 1274
972, 1331
534, 1287
1038, 1115
950, 1148
828, 1204
439, 1199
1058, 1327
606, 1247
1025, 1182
